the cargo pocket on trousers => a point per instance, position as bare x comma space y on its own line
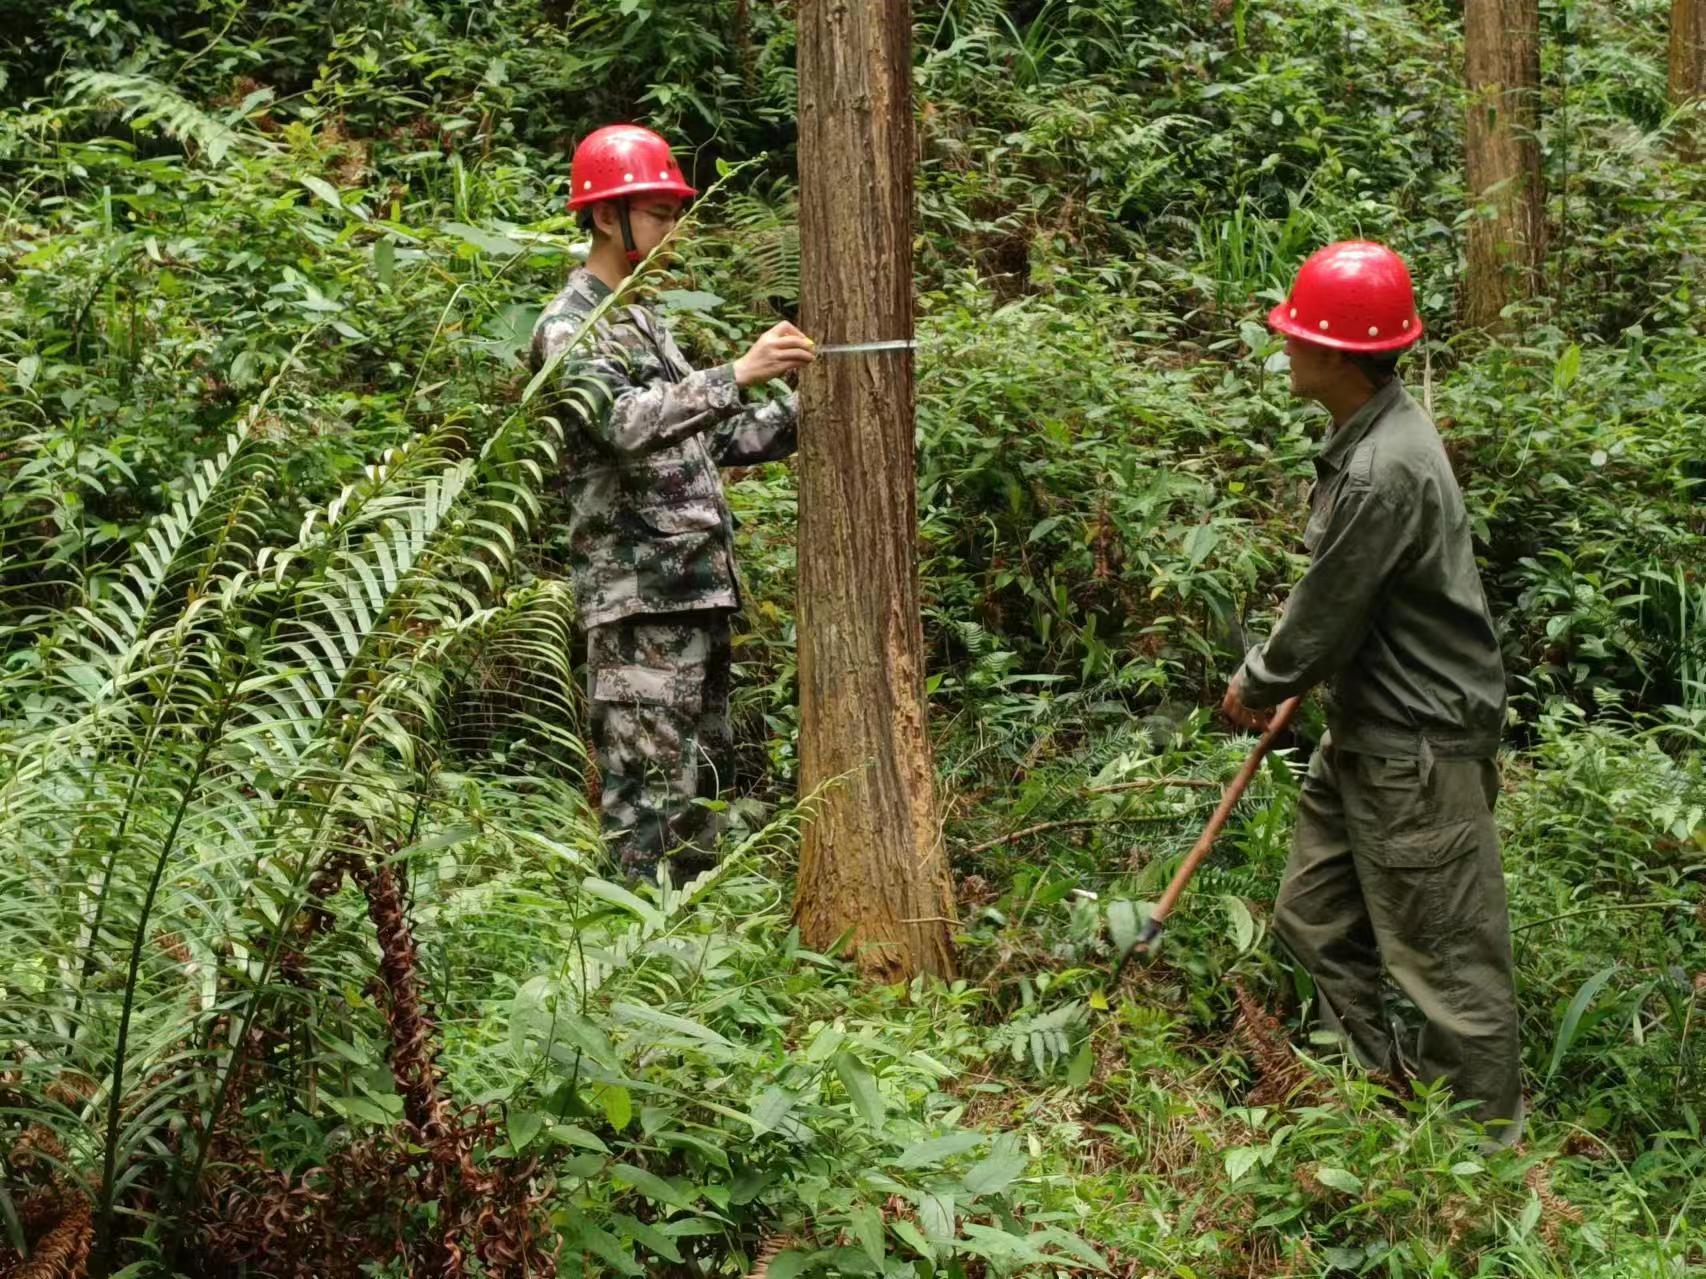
680, 689
1425, 848
1384, 798
1430, 891
684, 518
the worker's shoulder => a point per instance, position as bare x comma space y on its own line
579, 297
565, 317
1401, 452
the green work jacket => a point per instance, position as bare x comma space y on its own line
1391, 615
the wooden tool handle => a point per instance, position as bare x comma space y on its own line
1205, 841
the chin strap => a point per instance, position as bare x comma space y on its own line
627, 232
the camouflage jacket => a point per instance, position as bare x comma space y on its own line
649, 528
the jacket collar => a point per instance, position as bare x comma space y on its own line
1337, 446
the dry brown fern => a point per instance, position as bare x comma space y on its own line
1555, 1210
768, 1251
62, 1252
1279, 1074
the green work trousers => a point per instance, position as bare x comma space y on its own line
1395, 862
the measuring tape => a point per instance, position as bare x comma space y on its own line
856, 348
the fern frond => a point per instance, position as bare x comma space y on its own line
145, 102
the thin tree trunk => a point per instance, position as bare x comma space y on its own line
873, 866
1688, 62
1507, 233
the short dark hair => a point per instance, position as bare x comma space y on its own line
1379, 369
585, 218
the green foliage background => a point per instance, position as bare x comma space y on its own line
281, 588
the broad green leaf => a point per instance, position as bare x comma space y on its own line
1339, 1179
995, 1173
1243, 926
485, 241
936, 1216
825, 1043
524, 1126
1240, 1159
689, 300
1571, 1024
1000, 1245
669, 1021
651, 1185
710, 1151
927, 1154
618, 1105
772, 1109
861, 1086
787, 1265
362, 1108
653, 1238
914, 1236
449, 837
325, 190
1075, 1245
600, 1242
245, 367
574, 1135
1530, 1217
1123, 925
1200, 543
617, 895
867, 1223
1083, 1064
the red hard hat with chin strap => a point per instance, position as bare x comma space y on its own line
621, 161
1353, 296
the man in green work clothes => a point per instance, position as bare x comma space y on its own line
1395, 859
651, 539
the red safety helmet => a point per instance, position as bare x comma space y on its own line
1353, 296
623, 160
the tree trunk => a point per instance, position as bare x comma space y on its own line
1507, 234
1688, 62
873, 865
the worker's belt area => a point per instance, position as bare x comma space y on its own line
1390, 742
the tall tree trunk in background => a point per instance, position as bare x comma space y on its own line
1688, 61
873, 865
1507, 234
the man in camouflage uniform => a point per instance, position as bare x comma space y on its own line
651, 537
1395, 859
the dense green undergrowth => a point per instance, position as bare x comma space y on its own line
285, 630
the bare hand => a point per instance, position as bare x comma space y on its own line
1232, 706
782, 350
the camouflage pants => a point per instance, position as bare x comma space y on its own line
1396, 862
659, 690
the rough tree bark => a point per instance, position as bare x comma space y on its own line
873, 865
1688, 61
1507, 235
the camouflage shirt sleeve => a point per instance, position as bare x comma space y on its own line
630, 404
763, 433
